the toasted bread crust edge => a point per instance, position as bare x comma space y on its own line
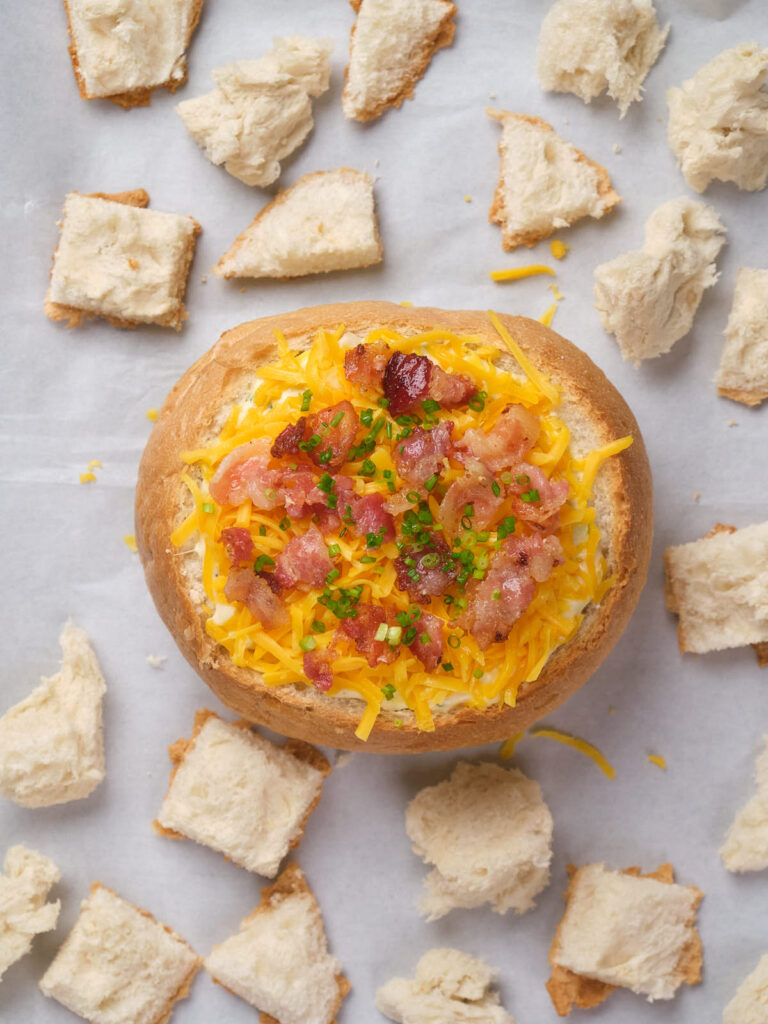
188, 416
134, 97
747, 396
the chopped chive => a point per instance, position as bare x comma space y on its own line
495, 488
367, 559
404, 421
506, 527
447, 599
262, 530
325, 456
325, 483
505, 477
402, 618
261, 561
478, 673
424, 638
532, 495
307, 643
209, 507
523, 479
431, 560
447, 667
333, 575
337, 419
466, 522
293, 465
332, 501
381, 632
317, 626
430, 483
496, 595
414, 575
469, 510
387, 474
306, 398
334, 550
415, 613
398, 723
483, 536
409, 635
454, 641
414, 497
430, 405
367, 469
388, 691
342, 531
391, 486
394, 634
284, 523
383, 403
476, 402
366, 417
388, 429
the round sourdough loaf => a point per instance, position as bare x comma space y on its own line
191, 417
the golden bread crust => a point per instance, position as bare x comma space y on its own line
188, 420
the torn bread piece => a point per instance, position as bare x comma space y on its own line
279, 961
488, 833
545, 183
718, 587
119, 965
743, 372
325, 222
746, 843
51, 743
120, 261
648, 298
26, 880
240, 794
123, 51
261, 110
750, 1004
589, 46
718, 120
622, 929
391, 45
450, 987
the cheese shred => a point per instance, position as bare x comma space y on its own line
517, 273
578, 744
658, 760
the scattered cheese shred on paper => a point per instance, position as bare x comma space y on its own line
548, 315
578, 744
516, 273
151, 415
658, 760
87, 478
130, 541
508, 746
556, 292
558, 248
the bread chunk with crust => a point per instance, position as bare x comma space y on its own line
750, 1004
27, 879
743, 372
746, 843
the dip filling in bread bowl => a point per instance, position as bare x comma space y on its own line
394, 528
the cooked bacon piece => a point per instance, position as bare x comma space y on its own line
287, 441
364, 364
245, 473
370, 516
431, 651
317, 668
506, 443
427, 572
473, 490
336, 439
497, 602
398, 502
255, 591
304, 559
362, 632
409, 379
421, 455
546, 496
238, 544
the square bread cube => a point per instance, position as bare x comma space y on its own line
120, 261
24, 885
236, 792
119, 965
624, 929
718, 587
279, 961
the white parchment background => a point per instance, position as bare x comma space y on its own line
72, 396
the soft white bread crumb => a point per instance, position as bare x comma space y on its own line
545, 183
718, 120
391, 45
488, 833
279, 961
119, 965
718, 586
743, 372
51, 744
648, 298
627, 930
746, 843
750, 1004
450, 987
121, 262
262, 109
326, 221
238, 793
24, 886
125, 48
588, 46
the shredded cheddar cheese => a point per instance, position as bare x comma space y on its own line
87, 478
516, 273
474, 677
658, 760
558, 295
151, 415
548, 315
508, 746
130, 542
558, 248
94, 464
581, 745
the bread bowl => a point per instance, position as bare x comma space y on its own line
383, 696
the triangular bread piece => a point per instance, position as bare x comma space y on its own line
391, 45
326, 221
545, 183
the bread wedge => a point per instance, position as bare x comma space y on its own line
391, 45
376, 716
743, 372
325, 222
624, 929
545, 183
24, 885
750, 1003
123, 52
745, 847
278, 961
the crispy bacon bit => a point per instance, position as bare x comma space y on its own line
476, 491
238, 544
426, 572
317, 668
245, 473
364, 364
304, 560
287, 441
255, 591
428, 645
422, 454
410, 378
498, 601
506, 443
371, 517
362, 632
336, 427
544, 497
